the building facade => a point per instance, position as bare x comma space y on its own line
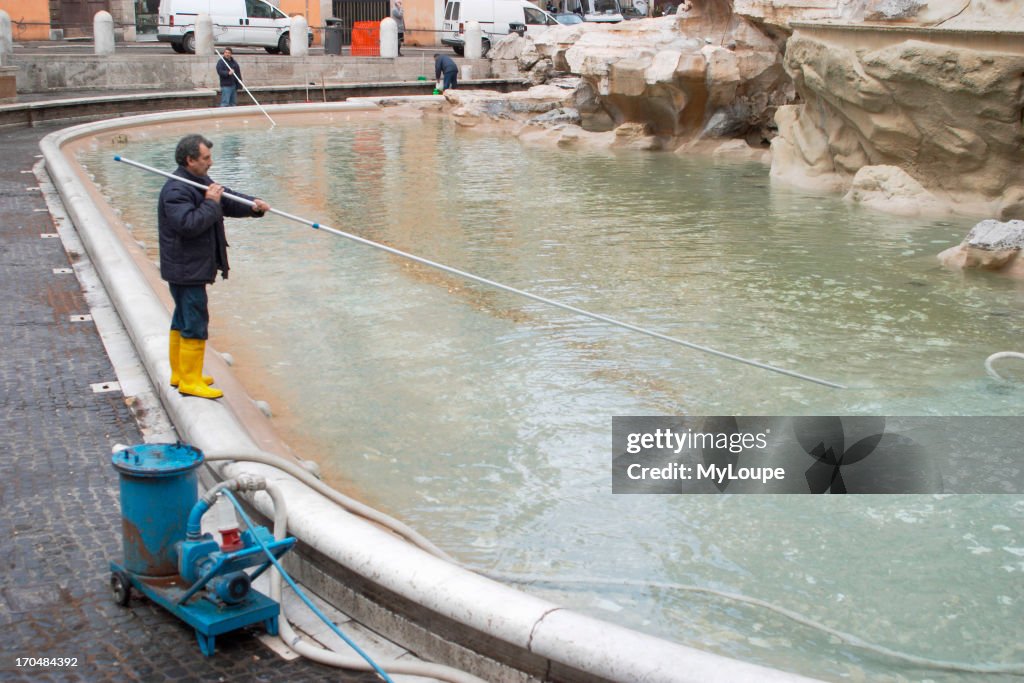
133, 19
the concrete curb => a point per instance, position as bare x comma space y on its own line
575, 647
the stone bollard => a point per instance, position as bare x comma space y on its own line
204, 35
388, 37
299, 37
103, 33
8, 81
474, 38
6, 39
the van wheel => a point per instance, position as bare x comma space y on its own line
459, 50
273, 50
178, 48
284, 46
485, 47
188, 43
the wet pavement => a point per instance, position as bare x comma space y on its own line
60, 527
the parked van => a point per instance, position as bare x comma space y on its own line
607, 11
253, 23
495, 18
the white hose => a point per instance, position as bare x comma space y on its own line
330, 657
989, 367
353, 506
1016, 669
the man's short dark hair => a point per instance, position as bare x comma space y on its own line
436, 55
188, 147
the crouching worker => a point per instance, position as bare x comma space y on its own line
193, 247
443, 64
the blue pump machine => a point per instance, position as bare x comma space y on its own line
169, 560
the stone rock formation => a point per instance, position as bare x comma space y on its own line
990, 245
545, 114
471, 108
705, 73
891, 189
903, 105
777, 16
947, 115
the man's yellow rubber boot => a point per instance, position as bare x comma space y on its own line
190, 356
173, 353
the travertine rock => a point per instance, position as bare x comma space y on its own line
700, 73
487, 104
739, 150
990, 245
948, 116
776, 15
891, 189
994, 235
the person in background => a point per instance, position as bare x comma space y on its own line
443, 64
230, 73
193, 247
399, 16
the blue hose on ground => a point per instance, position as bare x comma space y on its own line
302, 595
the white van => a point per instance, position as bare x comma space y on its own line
606, 11
495, 18
243, 23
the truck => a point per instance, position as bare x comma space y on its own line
497, 18
236, 23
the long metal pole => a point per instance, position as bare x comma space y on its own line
498, 285
235, 74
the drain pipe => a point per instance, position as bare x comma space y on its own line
324, 656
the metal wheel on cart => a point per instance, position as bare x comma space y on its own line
121, 588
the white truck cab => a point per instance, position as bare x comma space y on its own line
236, 23
497, 18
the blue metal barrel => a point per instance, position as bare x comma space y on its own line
158, 490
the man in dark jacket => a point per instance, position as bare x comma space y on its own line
193, 247
443, 64
230, 74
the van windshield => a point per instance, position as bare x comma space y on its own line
535, 16
256, 9
606, 6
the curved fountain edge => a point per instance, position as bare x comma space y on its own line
568, 645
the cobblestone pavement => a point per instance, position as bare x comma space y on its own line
60, 524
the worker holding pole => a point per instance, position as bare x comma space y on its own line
230, 76
193, 247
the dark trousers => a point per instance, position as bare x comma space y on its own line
451, 79
191, 311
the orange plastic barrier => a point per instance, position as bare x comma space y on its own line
366, 39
